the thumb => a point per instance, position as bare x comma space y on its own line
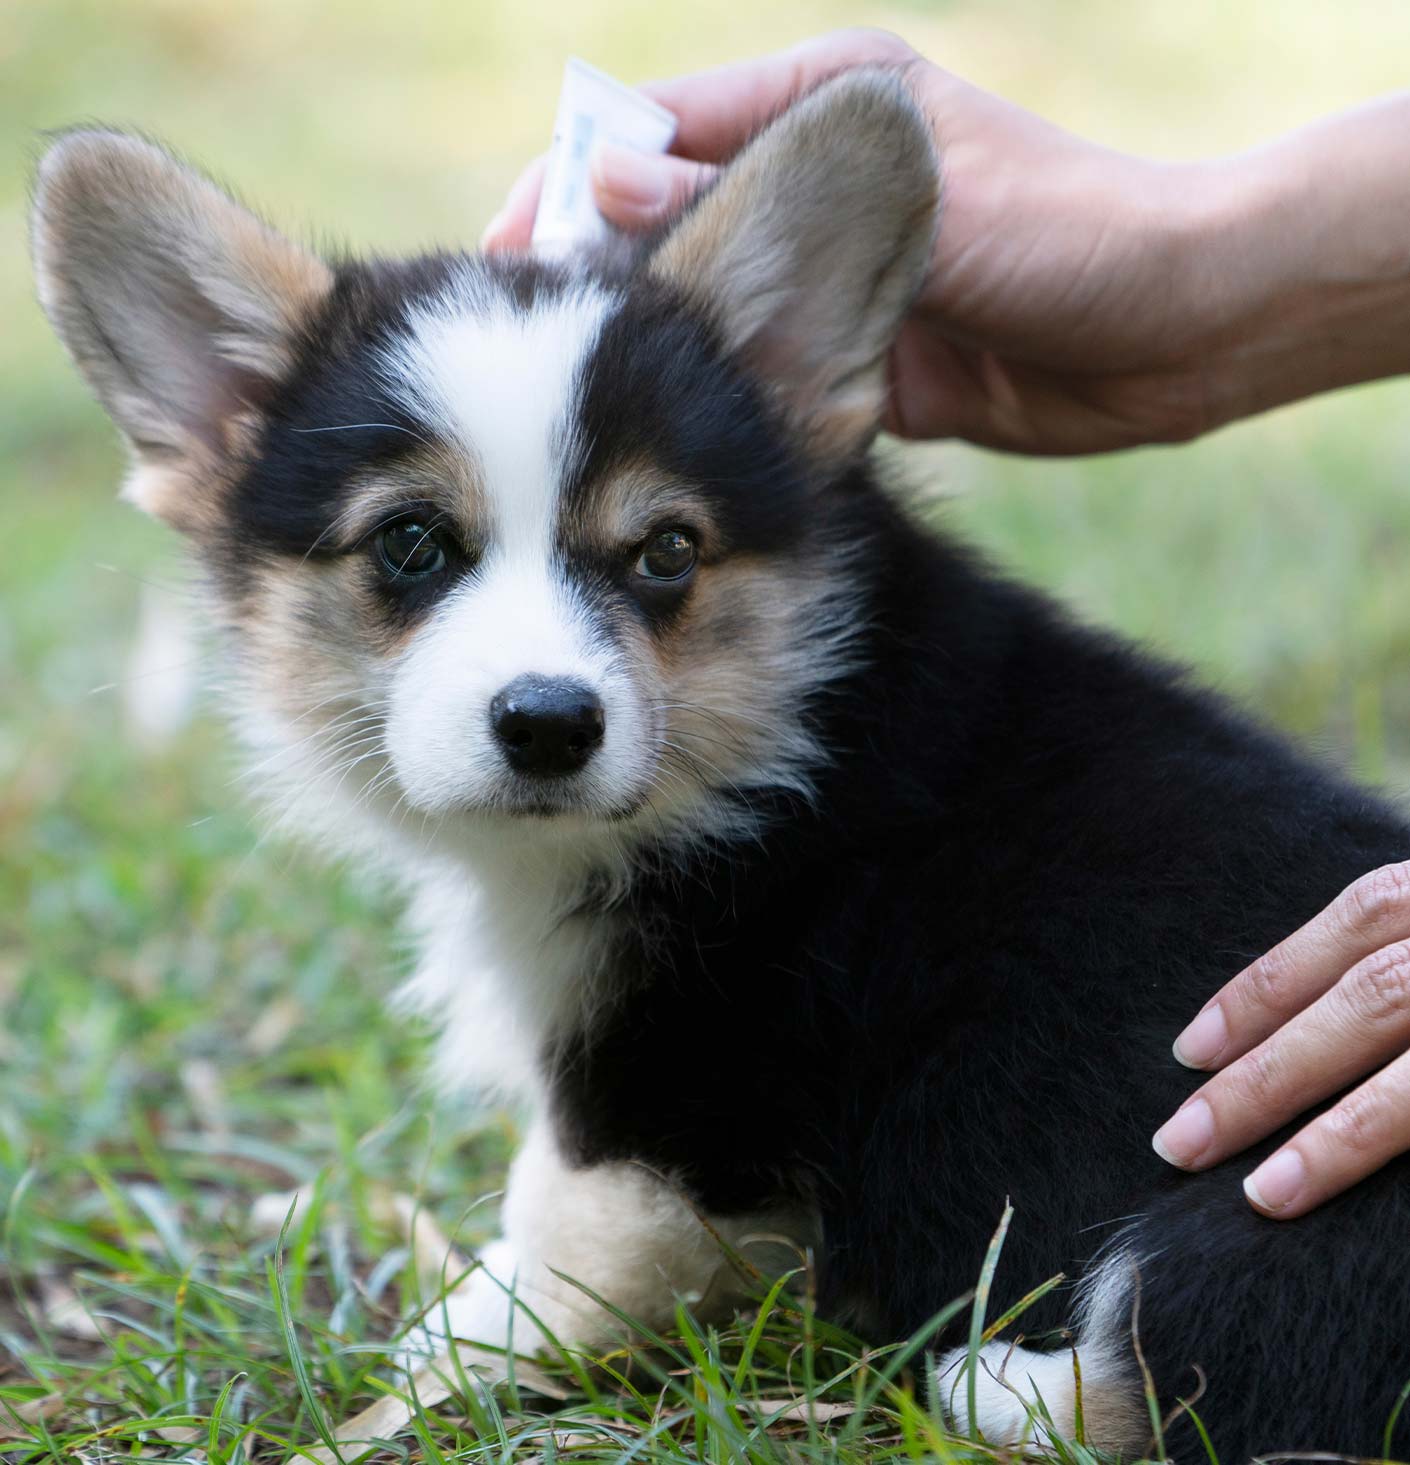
634, 190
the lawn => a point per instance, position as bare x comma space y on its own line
190, 1012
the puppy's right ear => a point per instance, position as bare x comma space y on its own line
180, 307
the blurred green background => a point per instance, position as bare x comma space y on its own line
171, 983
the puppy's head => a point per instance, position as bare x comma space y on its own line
493, 540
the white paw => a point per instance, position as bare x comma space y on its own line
1008, 1385
481, 1310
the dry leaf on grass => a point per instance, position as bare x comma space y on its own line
430, 1385
781, 1410
13, 1416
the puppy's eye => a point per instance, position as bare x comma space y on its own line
411, 547
669, 555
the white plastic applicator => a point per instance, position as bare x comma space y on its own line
592, 109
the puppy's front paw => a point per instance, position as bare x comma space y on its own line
482, 1310
1009, 1385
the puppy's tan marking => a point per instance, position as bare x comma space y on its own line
635, 499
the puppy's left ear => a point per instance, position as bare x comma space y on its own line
811, 246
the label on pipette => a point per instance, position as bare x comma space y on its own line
592, 108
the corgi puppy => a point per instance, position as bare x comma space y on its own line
800, 875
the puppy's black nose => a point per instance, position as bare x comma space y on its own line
546, 726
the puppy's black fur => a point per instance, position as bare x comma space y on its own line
955, 980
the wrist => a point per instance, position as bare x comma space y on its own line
1298, 264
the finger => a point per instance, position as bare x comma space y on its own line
931, 390
513, 225
1360, 1024
718, 110
1367, 915
634, 189
1352, 1140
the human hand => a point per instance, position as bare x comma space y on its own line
1083, 300
1057, 317
1321, 1010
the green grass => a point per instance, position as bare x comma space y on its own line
271, 1349
190, 1015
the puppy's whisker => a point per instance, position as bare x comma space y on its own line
360, 699
771, 729
729, 745
381, 778
351, 515
351, 755
348, 767
334, 729
350, 745
692, 763
346, 516
142, 676
178, 590
355, 426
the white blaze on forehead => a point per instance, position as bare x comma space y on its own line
500, 382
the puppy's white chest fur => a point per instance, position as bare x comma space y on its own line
509, 959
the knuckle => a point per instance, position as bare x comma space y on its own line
1379, 989
1267, 982
1256, 1076
1382, 895
1356, 1124
874, 43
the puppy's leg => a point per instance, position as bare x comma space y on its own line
619, 1230
1026, 1397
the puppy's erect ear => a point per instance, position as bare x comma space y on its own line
811, 246
179, 306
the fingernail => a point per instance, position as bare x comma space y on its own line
1182, 1139
491, 229
1204, 1040
1277, 1182
639, 180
